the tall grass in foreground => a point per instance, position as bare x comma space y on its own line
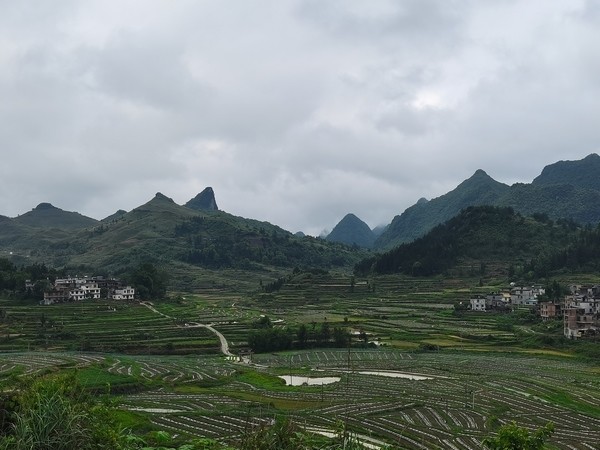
53, 413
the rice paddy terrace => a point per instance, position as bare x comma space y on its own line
168, 373
456, 399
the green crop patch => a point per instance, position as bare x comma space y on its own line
99, 380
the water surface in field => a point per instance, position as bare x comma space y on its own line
408, 376
300, 380
156, 410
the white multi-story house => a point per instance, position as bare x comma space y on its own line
77, 294
478, 303
91, 290
523, 296
126, 293
78, 289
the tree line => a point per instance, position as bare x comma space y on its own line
265, 337
13, 279
149, 281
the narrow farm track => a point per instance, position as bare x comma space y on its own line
224, 344
222, 340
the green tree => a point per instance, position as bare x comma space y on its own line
325, 333
302, 336
149, 281
513, 437
341, 338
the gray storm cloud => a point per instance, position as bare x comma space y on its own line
296, 112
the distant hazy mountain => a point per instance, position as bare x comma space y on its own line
45, 215
204, 201
352, 231
480, 189
379, 230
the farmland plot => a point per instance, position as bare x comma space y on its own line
461, 402
454, 408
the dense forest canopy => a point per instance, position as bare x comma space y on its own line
537, 245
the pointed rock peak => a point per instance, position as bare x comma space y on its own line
43, 206
480, 177
422, 201
352, 231
480, 173
352, 219
204, 201
160, 196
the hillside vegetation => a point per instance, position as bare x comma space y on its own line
167, 234
483, 235
564, 190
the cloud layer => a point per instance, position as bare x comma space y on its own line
296, 112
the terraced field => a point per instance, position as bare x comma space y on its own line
169, 374
460, 401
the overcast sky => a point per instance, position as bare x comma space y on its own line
295, 112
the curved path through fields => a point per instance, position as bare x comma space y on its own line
224, 343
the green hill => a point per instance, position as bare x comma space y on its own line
480, 189
165, 233
45, 215
564, 190
557, 201
582, 173
20, 239
352, 231
481, 235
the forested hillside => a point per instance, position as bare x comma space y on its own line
564, 190
165, 233
484, 234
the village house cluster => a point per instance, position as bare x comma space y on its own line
580, 310
87, 288
507, 299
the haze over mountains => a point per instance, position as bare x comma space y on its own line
198, 233
566, 189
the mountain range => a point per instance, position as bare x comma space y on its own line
160, 231
564, 190
198, 234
